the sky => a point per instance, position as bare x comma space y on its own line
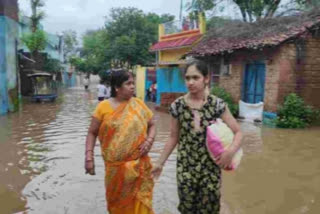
82, 15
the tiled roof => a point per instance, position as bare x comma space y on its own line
175, 43
266, 36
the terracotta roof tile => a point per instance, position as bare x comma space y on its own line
217, 44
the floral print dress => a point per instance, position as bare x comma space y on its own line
198, 176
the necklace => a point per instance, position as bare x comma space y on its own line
195, 107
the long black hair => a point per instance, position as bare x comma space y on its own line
200, 65
117, 78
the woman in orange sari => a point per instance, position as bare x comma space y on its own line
126, 132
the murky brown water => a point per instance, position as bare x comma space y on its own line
41, 165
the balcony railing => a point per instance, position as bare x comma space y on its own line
180, 26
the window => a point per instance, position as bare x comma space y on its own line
225, 69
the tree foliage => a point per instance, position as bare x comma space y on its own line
294, 113
308, 4
79, 64
37, 15
70, 43
252, 10
35, 41
95, 54
124, 41
52, 65
130, 34
201, 5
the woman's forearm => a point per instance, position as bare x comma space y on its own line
151, 131
236, 142
90, 144
169, 147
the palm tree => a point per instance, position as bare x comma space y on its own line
36, 16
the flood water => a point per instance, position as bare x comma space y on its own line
42, 153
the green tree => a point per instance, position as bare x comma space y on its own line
35, 41
308, 4
130, 34
70, 43
79, 64
95, 51
123, 42
37, 15
197, 7
252, 10
52, 65
201, 5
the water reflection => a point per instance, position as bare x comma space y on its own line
22, 149
41, 165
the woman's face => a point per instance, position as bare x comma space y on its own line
195, 81
127, 89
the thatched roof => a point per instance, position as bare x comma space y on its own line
238, 35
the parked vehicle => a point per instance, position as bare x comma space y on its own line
43, 87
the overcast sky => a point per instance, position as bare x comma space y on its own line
81, 15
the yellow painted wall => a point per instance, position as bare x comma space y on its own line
173, 55
140, 82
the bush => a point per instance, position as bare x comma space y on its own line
295, 114
52, 65
223, 94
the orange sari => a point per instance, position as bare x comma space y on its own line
127, 175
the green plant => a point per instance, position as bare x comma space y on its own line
294, 113
35, 41
52, 65
223, 94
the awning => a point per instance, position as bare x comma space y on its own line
175, 43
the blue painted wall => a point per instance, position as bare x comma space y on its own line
151, 75
8, 67
170, 80
69, 81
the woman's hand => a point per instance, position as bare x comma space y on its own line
156, 170
89, 166
89, 163
145, 147
225, 159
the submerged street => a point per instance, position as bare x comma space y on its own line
42, 158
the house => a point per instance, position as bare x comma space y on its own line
265, 61
9, 86
176, 38
53, 50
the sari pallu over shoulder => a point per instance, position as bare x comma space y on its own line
128, 176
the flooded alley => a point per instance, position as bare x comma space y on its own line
42, 158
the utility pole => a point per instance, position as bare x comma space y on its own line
181, 7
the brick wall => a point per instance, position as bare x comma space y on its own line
303, 76
309, 75
168, 98
284, 73
233, 82
286, 65
9, 8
